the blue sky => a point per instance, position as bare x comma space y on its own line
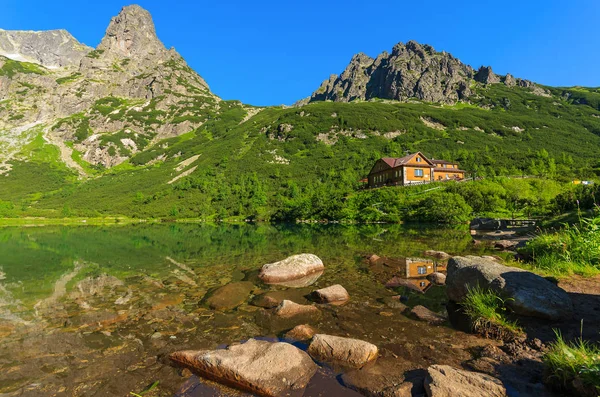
276, 52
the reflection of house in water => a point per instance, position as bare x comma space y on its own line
413, 270
416, 270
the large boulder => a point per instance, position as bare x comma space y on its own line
335, 294
296, 271
446, 381
229, 296
346, 352
260, 367
525, 293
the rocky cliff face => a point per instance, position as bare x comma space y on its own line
412, 70
51, 49
121, 97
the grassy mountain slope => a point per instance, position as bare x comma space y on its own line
278, 160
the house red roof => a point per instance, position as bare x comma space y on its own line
396, 162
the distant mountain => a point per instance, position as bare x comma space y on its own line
411, 71
51, 49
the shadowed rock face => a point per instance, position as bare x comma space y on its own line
527, 294
412, 70
51, 49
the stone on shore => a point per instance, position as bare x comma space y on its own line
527, 294
346, 352
441, 255
260, 367
230, 296
446, 381
287, 309
295, 272
424, 314
334, 294
437, 278
300, 333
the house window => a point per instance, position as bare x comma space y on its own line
418, 159
422, 284
418, 172
421, 270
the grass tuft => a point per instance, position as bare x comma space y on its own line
488, 313
569, 364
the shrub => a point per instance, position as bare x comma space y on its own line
442, 207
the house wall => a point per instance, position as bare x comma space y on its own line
440, 174
383, 174
410, 174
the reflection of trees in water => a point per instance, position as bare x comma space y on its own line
38, 258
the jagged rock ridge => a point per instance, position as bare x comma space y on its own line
119, 98
412, 70
51, 49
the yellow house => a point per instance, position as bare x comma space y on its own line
412, 169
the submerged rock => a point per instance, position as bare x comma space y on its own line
334, 294
296, 271
260, 367
424, 314
396, 282
394, 302
229, 296
527, 294
388, 377
342, 351
446, 381
272, 299
300, 333
287, 309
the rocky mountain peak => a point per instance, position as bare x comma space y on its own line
411, 71
131, 33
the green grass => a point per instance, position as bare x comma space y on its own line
566, 362
488, 311
12, 68
574, 249
68, 79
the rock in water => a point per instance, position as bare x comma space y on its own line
445, 381
424, 314
287, 309
342, 351
437, 278
295, 271
300, 333
229, 296
525, 293
334, 294
260, 367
